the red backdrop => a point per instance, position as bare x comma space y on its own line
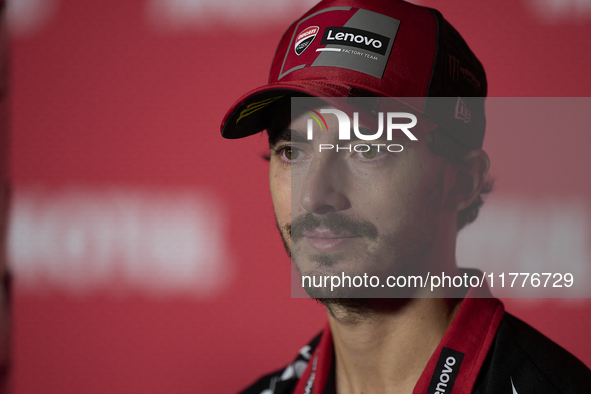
116, 110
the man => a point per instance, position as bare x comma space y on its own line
388, 205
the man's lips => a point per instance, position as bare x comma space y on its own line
327, 241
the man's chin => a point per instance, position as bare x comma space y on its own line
352, 310
319, 286
349, 303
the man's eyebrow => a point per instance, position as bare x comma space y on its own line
289, 135
365, 131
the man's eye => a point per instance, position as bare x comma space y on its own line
370, 153
291, 153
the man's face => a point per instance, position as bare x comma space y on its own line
355, 212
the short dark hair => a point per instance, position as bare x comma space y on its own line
441, 144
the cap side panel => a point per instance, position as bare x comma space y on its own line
409, 67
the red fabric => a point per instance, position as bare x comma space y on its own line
323, 356
471, 332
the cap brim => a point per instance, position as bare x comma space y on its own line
254, 112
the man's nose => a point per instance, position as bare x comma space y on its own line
324, 187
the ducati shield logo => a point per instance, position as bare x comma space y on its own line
305, 38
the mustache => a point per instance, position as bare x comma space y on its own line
336, 223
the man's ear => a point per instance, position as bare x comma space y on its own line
463, 183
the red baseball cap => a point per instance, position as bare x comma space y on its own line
375, 48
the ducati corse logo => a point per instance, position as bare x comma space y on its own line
305, 38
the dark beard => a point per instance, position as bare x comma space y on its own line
284, 238
353, 310
410, 251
